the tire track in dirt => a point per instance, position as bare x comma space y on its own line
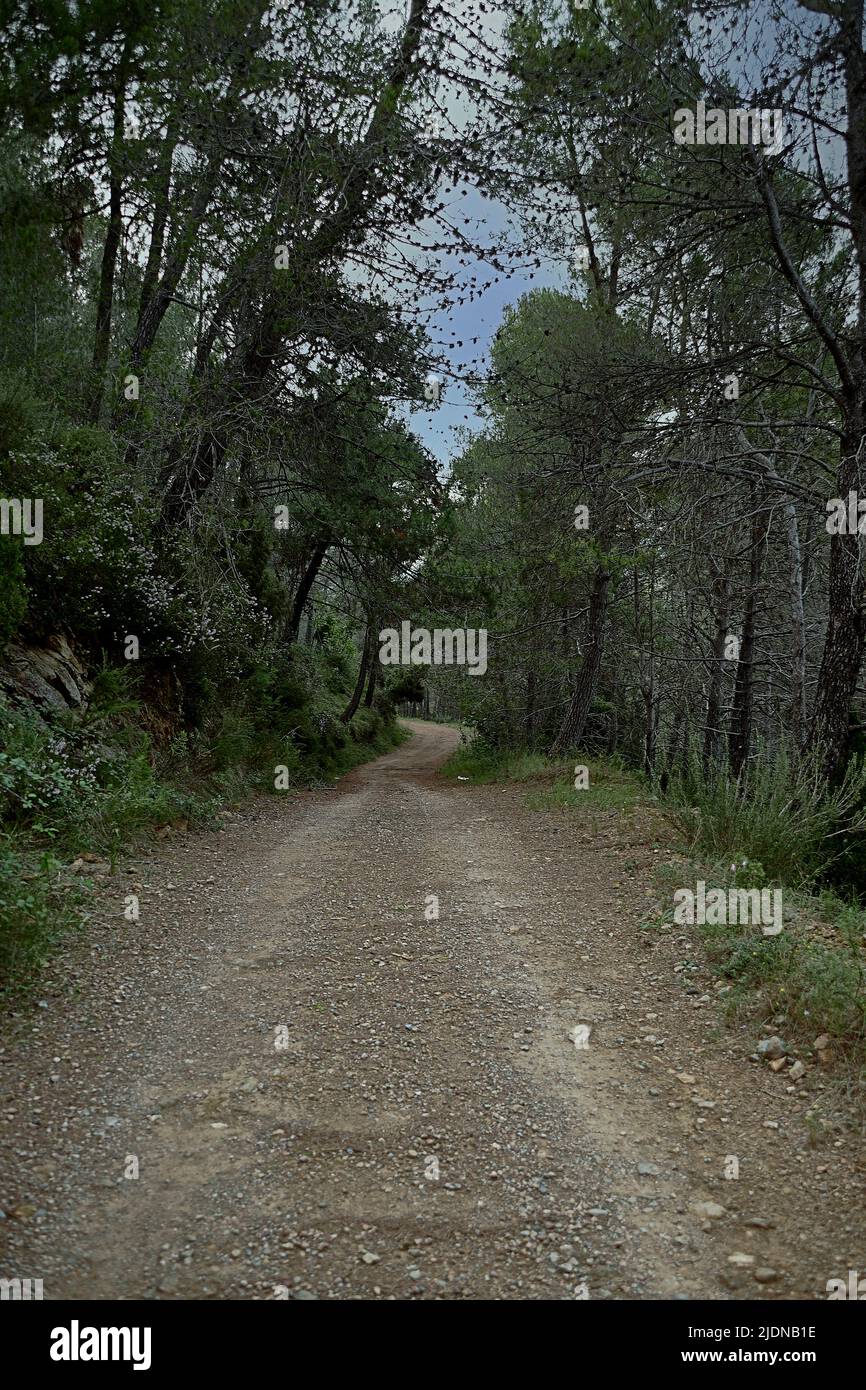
423, 1127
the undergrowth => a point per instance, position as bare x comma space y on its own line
774, 828
551, 783
73, 786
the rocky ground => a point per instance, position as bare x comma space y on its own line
338, 1049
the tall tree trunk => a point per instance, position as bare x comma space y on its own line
159, 290
529, 717
613, 730
796, 713
161, 205
846, 626
648, 677
797, 707
673, 736
114, 232
152, 309
185, 485
372, 682
574, 723
713, 727
650, 721
740, 738
306, 584
842, 656
681, 754
311, 620
367, 652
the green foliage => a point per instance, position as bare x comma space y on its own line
68, 783
37, 908
13, 593
112, 692
817, 985
611, 786
480, 762
780, 813
46, 773
98, 785
406, 686
234, 739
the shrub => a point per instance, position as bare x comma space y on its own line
779, 813
36, 909
234, 740
819, 987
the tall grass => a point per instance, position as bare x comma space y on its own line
478, 761
779, 812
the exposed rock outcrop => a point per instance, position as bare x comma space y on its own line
51, 677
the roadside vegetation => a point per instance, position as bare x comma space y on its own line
76, 791
808, 983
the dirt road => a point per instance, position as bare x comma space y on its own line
328, 1091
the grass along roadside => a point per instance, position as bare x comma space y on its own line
550, 784
779, 829
76, 794
806, 984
